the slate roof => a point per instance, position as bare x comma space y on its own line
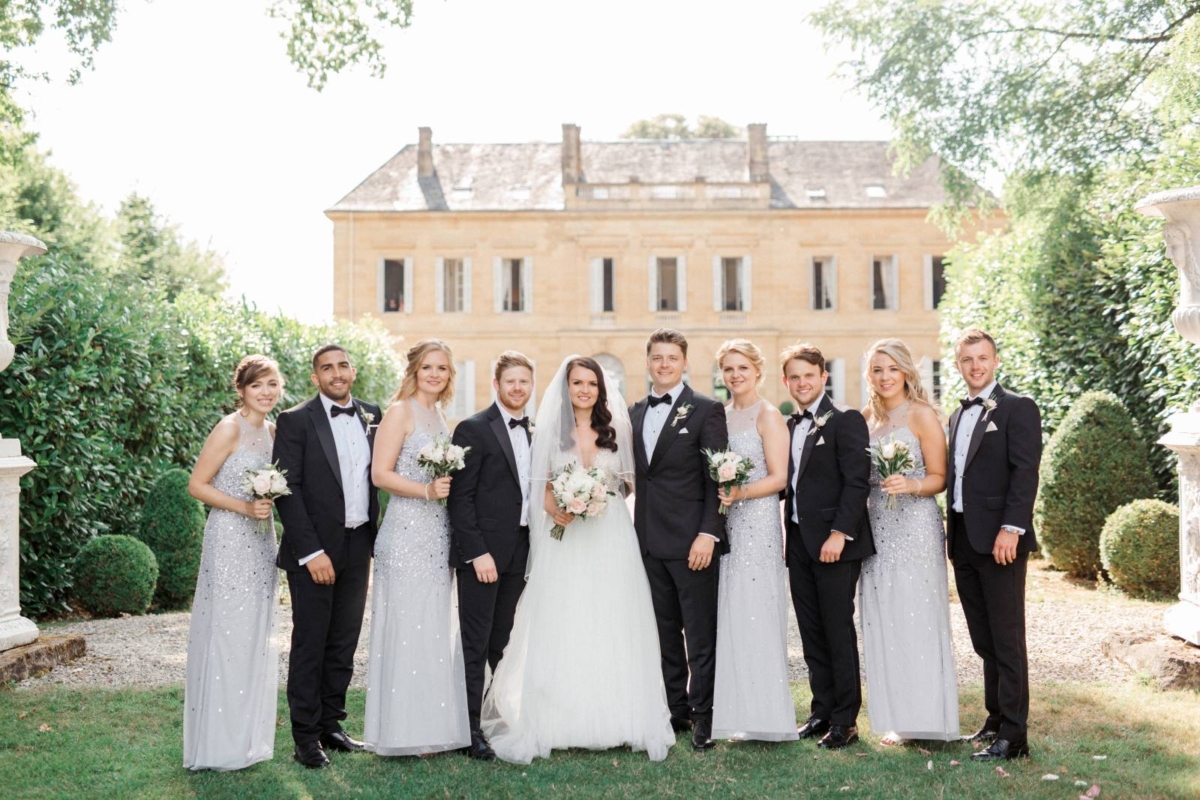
528, 177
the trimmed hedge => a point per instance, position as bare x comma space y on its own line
172, 525
115, 575
1139, 548
1095, 462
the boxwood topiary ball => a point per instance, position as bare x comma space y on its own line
115, 575
1140, 549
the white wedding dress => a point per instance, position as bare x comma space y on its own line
582, 667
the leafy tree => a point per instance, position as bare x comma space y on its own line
675, 126
153, 252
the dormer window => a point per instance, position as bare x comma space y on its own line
815, 193
876, 191
518, 192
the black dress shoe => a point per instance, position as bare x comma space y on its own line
838, 737
1002, 750
311, 755
985, 735
480, 749
813, 727
342, 743
702, 734
680, 724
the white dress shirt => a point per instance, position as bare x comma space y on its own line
354, 463
656, 418
520, 446
799, 435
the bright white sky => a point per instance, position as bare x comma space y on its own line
195, 105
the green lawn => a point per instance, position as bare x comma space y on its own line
126, 744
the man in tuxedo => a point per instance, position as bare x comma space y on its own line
995, 449
329, 522
680, 528
828, 535
490, 506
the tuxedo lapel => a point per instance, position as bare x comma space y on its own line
501, 431
325, 437
981, 429
639, 443
671, 426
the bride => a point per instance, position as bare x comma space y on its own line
582, 667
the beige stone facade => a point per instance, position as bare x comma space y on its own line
732, 255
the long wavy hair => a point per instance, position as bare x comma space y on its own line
415, 355
606, 434
914, 390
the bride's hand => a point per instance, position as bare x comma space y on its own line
900, 484
726, 496
562, 518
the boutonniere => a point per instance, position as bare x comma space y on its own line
819, 422
368, 419
681, 413
989, 406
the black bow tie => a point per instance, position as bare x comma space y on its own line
800, 416
967, 402
334, 410
657, 401
523, 422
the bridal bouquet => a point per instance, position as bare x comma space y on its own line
266, 483
440, 458
579, 491
728, 469
891, 457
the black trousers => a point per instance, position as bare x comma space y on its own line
326, 624
823, 595
685, 607
993, 601
485, 617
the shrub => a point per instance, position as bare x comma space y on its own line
172, 524
1139, 548
115, 575
1095, 462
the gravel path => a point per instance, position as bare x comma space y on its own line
1066, 623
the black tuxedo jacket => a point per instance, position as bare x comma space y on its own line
1000, 480
676, 497
485, 495
314, 514
834, 483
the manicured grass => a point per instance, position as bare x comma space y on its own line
127, 744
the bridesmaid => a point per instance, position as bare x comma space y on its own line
416, 690
752, 699
233, 661
912, 687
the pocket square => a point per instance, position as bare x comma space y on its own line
820, 441
991, 427
682, 431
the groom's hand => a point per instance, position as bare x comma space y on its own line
321, 570
702, 552
1005, 548
485, 569
831, 551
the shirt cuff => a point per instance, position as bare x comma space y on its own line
307, 559
709, 535
844, 536
1013, 529
481, 555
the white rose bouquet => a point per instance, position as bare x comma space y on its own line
728, 469
266, 483
440, 458
579, 491
891, 457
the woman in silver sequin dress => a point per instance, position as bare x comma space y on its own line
912, 687
416, 691
751, 697
231, 687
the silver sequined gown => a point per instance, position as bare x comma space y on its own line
231, 688
416, 691
912, 686
751, 696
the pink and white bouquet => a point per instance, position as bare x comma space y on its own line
891, 457
580, 491
266, 483
728, 469
441, 458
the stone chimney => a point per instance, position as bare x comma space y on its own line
756, 153
425, 153
572, 155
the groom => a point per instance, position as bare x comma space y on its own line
679, 528
489, 521
324, 445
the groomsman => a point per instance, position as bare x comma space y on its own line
828, 535
995, 448
324, 445
680, 528
489, 519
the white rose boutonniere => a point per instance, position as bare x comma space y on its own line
989, 406
819, 422
366, 416
681, 414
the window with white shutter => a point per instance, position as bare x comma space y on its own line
824, 283
835, 387
395, 285
885, 283
462, 405
513, 284
935, 281
731, 283
602, 293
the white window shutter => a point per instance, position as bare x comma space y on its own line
527, 285
466, 284
894, 283
531, 406
837, 380
746, 281
681, 283
925, 370
439, 282
652, 270
831, 281
498, 284
380, 285
596, 282
468, 384
864, 392
929, 284
410, 295
718, 285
